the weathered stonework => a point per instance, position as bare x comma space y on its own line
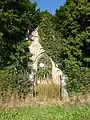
37, 52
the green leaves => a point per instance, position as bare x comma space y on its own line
16, 17
66, 39
72, 21
48, 37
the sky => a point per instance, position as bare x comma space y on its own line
50, 5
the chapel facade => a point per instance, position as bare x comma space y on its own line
41, 61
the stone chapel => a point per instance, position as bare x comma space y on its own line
41, 61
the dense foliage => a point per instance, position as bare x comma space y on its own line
48, 37
16, 18
66, 38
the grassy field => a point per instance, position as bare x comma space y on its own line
50, 113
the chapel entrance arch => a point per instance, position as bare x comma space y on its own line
44, 67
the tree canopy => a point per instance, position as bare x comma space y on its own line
16, 17
66, 38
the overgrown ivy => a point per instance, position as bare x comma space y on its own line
65, 38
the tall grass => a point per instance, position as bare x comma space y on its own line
47, 89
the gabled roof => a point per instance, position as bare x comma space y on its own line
33, 35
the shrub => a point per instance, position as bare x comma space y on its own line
13, 84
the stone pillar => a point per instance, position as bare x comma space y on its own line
32, 78
64, 93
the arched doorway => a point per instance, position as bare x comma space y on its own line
45, 88
44, 67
